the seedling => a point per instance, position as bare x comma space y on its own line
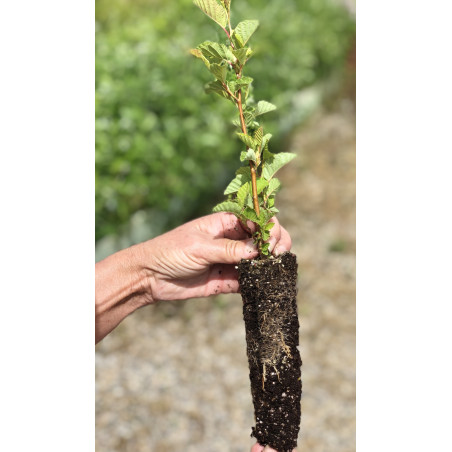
251, 194
268, 286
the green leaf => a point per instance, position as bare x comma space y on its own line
214, 10
213, 50
226, 4
227, 206
228, 53
247, 139
264, 249
218, 71
273, 187
243, 31
249, 120
258, 135
249, 154
275, 163
266, 139
261, 184
216, 87
260, 220
267, 155
244, 170
243, 193
264, 107
250, 214
236, 183
198, 54
244, 81
268, 226
240, 54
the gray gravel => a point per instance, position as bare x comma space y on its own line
175, 377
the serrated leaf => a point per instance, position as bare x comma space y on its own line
249, 154
243, 193
228, 53
244, 81
240, 54
273, 187
265, 139
250, 214
258, 135
264, 107
214, 10
264, 249
247, 139
236, 183
275, 163
267, 155
244, 170
243, 31
249, 120
215, 87
268, 226
228, 206
213, 50
261, 220
261, 184
218, 71
198, 54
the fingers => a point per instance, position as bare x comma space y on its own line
223, 225
257, 448
284, 244
280, 240
230, 238
226, 251
223, 279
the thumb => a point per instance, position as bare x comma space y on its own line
226, 251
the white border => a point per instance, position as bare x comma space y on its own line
47, 225
404, 226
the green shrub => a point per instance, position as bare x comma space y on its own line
160, 140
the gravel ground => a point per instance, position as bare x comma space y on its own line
175, 377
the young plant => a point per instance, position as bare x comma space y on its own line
268, 286
251, 194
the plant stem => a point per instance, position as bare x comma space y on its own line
252, 165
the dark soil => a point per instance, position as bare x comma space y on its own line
269, 288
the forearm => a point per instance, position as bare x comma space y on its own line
122, 286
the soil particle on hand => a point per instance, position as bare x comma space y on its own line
269, 289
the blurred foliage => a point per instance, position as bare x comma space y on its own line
162, 144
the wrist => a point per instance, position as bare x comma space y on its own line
123, 285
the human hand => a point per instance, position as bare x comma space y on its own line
198, 258
258, 448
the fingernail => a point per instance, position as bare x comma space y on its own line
279, 249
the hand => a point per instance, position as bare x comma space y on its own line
258, 448
198, 258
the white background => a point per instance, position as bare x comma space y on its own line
404, 226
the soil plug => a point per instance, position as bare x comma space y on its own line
269, 290
268, 284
